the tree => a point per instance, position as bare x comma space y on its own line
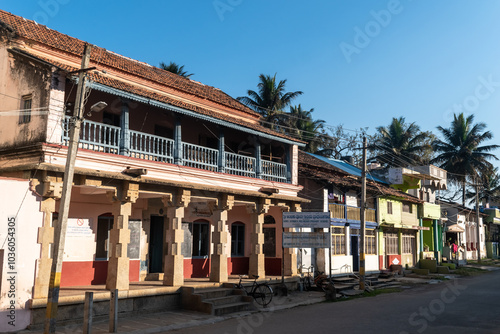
299, 124
270, 100
489, 188
339, 142
400, 144
459, 152
176, 69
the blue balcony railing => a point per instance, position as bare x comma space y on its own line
150, 147
95, 136
112, 139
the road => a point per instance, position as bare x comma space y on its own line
468, 305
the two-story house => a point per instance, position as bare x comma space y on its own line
174, 179
335, 186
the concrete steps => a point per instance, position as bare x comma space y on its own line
215, 301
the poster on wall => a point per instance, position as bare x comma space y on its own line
79, 227
134, 246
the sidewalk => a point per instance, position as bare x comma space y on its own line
165, 321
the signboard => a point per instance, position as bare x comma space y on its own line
79, 227
306, 239
134, 245
306, 219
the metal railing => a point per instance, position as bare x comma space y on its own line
95, 136
151, 147
241, 165
200, 157
106, 138
273, 171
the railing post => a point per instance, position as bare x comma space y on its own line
222, 155
258, 160
87, 312
178, 141
113, 311
125, 130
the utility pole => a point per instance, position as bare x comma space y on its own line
62, 221
363, 222
478, 229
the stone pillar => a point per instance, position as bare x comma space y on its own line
174, 260
119, 237
45, 238
257, 260
289, 255
218, 260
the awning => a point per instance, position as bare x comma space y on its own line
455, 228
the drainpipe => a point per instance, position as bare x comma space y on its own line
288, 157
421, 238
258, 160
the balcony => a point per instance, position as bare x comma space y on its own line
493, 215
430, 211
105, 138
345, 213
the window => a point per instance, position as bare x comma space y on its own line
25, 115
200, 239
370, 244
389, 207
104, 225
269, 247
407, 207
338, 241
391, 243
237, 239
408, 243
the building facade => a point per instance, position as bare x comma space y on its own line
173, 179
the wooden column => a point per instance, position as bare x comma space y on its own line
174, 260
257, 259
218, 261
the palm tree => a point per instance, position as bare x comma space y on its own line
489, 187
460, 153
176, 69
299, 124
400, 144
270, 99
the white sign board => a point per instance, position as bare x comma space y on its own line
306, 219
79, 227
306, 239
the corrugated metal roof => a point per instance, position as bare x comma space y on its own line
347, 167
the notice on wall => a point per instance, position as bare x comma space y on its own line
306, 219
306, 239
79, 227
134, 246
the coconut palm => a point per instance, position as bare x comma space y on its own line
400, 144
270, 99
460, 152
299, 123
176, 69
489, 188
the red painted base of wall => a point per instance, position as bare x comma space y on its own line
92, 272
393, 259
273, 266
381, 262
238, 265
196, 268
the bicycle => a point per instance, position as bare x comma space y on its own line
261, 292
307, 281
321, 281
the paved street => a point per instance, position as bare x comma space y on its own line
467, 305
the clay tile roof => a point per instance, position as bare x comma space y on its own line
313, 168
30, 30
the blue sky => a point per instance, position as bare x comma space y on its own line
358, 62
